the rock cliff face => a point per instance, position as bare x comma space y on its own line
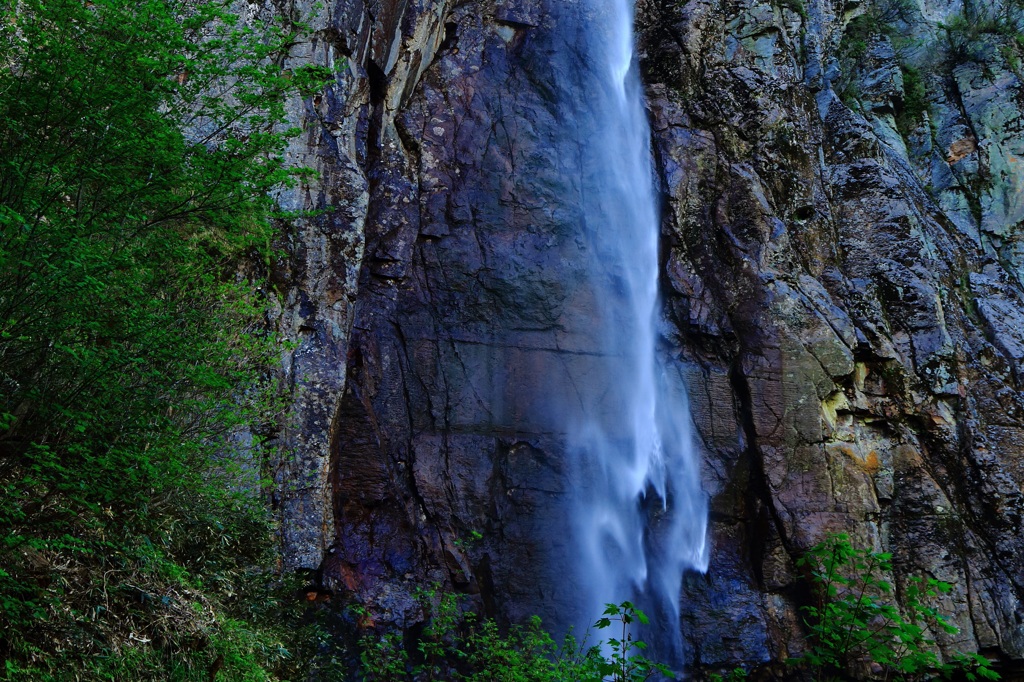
843, 197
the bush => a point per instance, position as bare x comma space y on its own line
460, 647
851, 623
915, 100
975, 32
138, 146
878, 19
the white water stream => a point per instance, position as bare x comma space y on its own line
641, 515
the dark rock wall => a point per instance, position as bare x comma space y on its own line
842, 291
823, 285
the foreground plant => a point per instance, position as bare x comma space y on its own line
852, 621
460, 647
139, 142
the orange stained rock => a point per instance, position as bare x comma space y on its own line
961, 149
869, 464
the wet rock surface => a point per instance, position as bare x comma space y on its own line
841, 277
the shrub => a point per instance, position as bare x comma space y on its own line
851, 622
915, 100
975, 33
461, 647
139, 142
878, 19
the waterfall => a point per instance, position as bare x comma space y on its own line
640, 514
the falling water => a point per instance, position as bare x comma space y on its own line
640, 516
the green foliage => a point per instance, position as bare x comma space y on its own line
309, 79
915, 100
734, 675
877, 20
853, 623
859, 32
796, 6
983, 30
139, 143
460, 646
972, 34
466, 543
624, 661
1011, 55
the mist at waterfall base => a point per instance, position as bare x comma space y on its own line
639, 515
